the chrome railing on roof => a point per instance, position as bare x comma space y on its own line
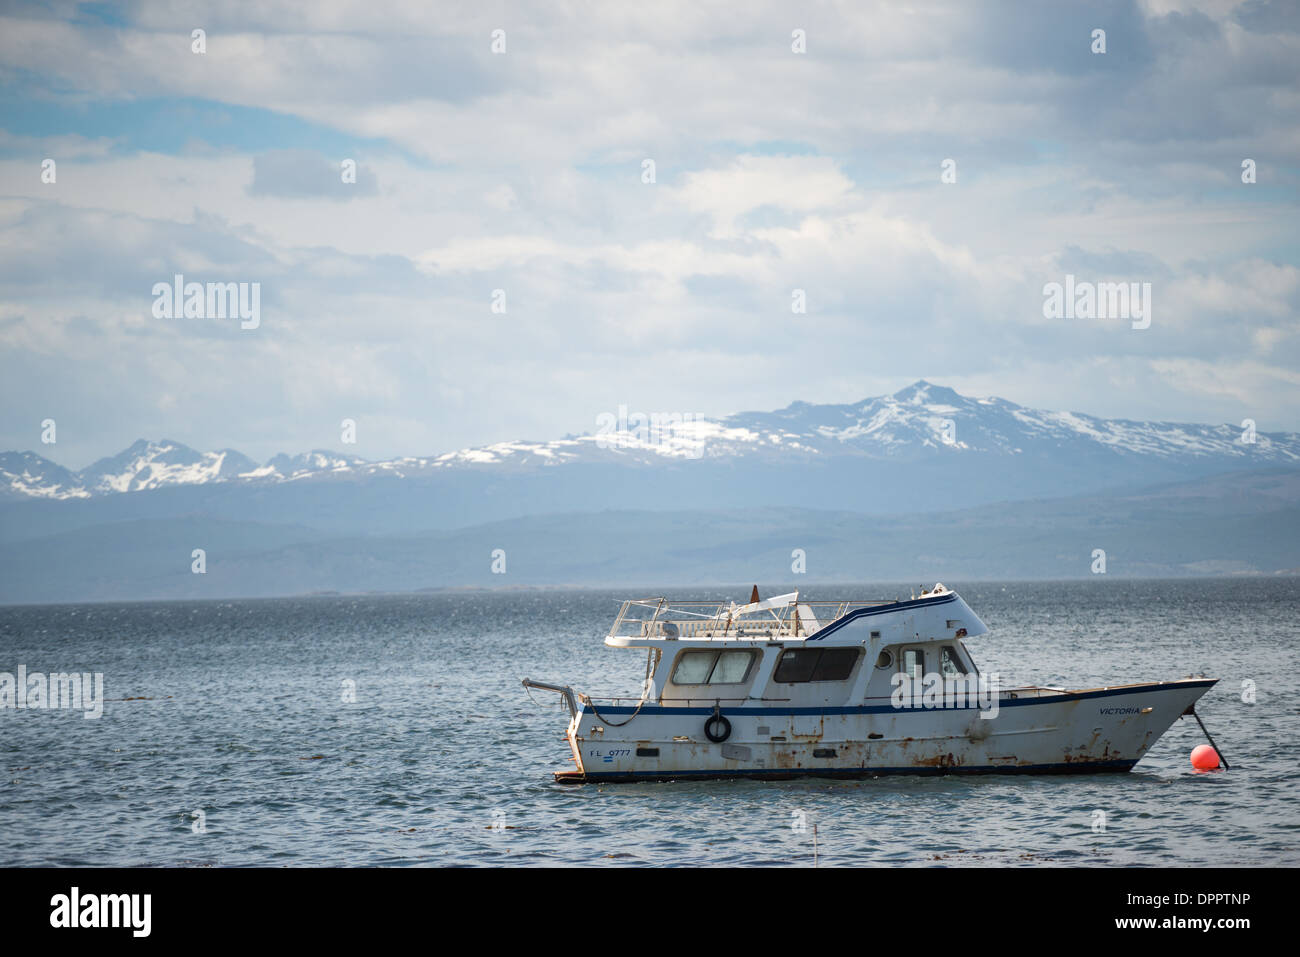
786, 616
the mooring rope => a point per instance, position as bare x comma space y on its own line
529, 691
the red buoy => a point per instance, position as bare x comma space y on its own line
1204, 758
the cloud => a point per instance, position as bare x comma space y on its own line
791, 184
298, 173
775, 171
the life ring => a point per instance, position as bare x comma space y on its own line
717, 719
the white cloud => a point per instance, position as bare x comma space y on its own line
794, 184
522, 172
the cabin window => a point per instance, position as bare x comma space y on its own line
835, 664
914, 663
693, 667
796, 666
949, 663
731, 669
712, 667
815, 664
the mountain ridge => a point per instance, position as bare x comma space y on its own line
914, 424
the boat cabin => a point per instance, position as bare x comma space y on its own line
793, 651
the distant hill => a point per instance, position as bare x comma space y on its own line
1238, 523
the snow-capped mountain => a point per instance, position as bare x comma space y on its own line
147, 465
27, 475
925, 416
922, 423
315, 462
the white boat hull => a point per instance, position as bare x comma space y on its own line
1033, 731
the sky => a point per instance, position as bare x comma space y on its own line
519, 177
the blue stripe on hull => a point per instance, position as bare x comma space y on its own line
773, 774
890, 709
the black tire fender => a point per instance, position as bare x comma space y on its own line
720, 723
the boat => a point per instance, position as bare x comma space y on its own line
787, 687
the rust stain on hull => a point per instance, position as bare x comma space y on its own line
938, 761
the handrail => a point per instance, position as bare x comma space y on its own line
615, 700
561, 689
649, 602
718, 620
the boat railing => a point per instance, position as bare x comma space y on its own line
629, 700
797, 618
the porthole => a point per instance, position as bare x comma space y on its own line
885, 660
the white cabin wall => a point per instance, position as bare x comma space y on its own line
766, 665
